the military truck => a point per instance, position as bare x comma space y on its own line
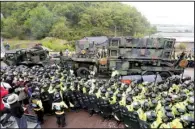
28, 57
130, 56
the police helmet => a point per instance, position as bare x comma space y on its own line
154, 103
119, 84
145, 106
136, 105
187, 121
191, 101
190, 108
167, 109
128, 100
151, 116
167, 117
103, 90
110, 94
121, 90
68, 84
179, 111
153, 95
175, 98
57, 97
118, 97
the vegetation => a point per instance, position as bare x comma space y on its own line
70, 21
182, 46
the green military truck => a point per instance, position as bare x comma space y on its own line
127, 55
27, 57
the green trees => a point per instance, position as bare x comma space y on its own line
71, 20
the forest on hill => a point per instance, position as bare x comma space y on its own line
71, 20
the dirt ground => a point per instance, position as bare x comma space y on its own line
81, 120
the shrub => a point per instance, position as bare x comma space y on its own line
182, 46
56, 44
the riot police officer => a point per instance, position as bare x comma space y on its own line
59, 106
45, 98
37, 106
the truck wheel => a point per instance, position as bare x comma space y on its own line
164, 75
83, 72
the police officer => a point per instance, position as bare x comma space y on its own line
45, 98
37, 106
59, 106
167, 118
151, 118
187, 122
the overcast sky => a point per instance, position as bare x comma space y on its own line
166, 12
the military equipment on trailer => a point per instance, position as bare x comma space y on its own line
28, 57
129, 56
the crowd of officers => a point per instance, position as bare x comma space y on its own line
52, 89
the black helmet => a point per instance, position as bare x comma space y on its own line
190, 108
147, 94
119, 84
111, 82
96, 89
175, 98
76, 82
103, 90
118, 97
154, 103
180, 112
121, 90
146, 106
151, 116
125, 86
166, 101
187, 121
183, 97
153, 95
57, 97
167, 109
79, 78
136, 105
165, 87
128, 100
68, 84
168, 117
113, 88
191, 101
164, 94
110, 94
35, 95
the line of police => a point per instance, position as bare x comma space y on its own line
168, 104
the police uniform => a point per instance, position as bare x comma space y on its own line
46, 99
37, 106
58, 106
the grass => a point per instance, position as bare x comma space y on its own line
49, 42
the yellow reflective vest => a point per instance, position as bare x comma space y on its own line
61, 106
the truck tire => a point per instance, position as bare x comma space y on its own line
164, 75
82, 72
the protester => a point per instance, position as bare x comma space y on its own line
17, 111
